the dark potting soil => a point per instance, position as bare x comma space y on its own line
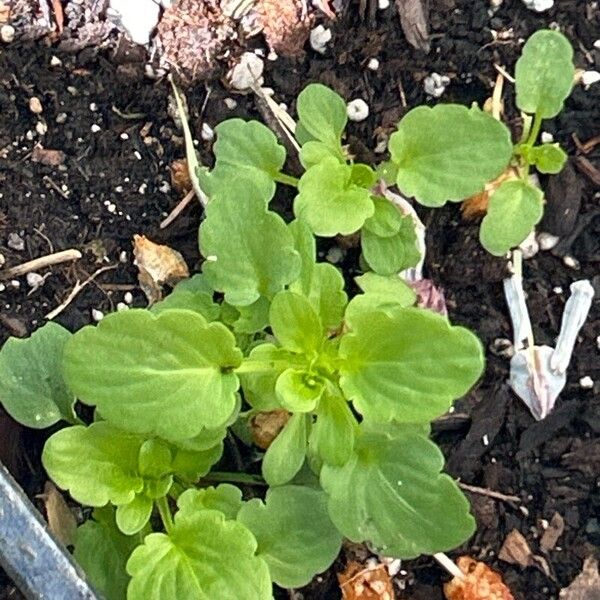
114, 184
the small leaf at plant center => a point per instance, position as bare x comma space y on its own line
298, 390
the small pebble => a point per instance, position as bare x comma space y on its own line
207, 133
373, 64
590, 77
111, 208
95, 128
124, 136
15, 283
485, 440
2, 287
597, 44
586, 383
547, 138
97, 315
230, 103
539, 5
557, 289
571, 262
123, 257
529, 246
357, 110
546, 240
7, 33
15, 242
55, 61
2, 260
128, 298
383, 4
435, 84
35, 106
598, 342
164, 187
272, 55
61, 118
335, 255
93, 107
121, 306
319, 38
41, 128
34, 280
247, 72
502, 347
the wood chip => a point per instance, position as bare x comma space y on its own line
586, 586
358, 582
61, 521
516, 551
479, 583
553, 532
414, 18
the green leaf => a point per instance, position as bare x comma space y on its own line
97, 464
249, 250
253, 318
204, 557
191, 294
448, 152
284, 457
392, 254
102, 551
295, 323
399, 500
193, 464
548, 158
332, 435
155, 459
321, 283
246, 150
386, 220
329, 202
134, 516
33, 391
322, 113
298, 390
295, 535
513, 211
168, 375
225, 498
544, 73
314, 152
408, 367
259, 386
363, 175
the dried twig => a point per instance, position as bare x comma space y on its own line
78, 287
504, 73
178, 209
40, 263
490, 493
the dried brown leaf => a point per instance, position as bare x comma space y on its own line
284, 25
586, 586
414, 18
180, 176
479, 583
157, 265
358, 582
61, 521
265, 426
553, 532
516, 551
476, 206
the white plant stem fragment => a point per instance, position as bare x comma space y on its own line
449, 565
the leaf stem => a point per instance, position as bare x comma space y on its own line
165, 513
286, 179
535, 129
226, 477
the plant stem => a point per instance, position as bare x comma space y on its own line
449, 565
165, 513
286, 179
535, 129
243, 478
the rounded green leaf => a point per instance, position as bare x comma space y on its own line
409, 367
295, 535
448, 152
298, 390
133, 517
548, 158
191, 294
168, 375
249, 250
225, 498
203, 557
391, 254
285, 455
391, 494
386, 220
33, 391
544, 73
295, 323
246, 150
513, 211
322, 113
97, 464
190, 465
329, 202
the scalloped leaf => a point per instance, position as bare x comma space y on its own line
400, 502
249, 250
225, 498
448, 152
33, 391
409, 366
190, 562
513, 211
544, 73
548, 158
295, 535
194, 294
246, 150
330, 202
168, 375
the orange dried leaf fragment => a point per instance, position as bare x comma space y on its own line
265, 426
358, 582
180, 176
476, 206
479, 583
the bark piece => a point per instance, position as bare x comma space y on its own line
414, 18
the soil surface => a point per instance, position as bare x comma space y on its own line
113, 126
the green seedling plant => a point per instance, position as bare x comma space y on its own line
266, 327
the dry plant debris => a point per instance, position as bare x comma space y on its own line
586, 586
61, 521
180, 176
265, 426
360, 582
157, 265
285, 25
476, 206
479, 583
516, 551
552, 533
